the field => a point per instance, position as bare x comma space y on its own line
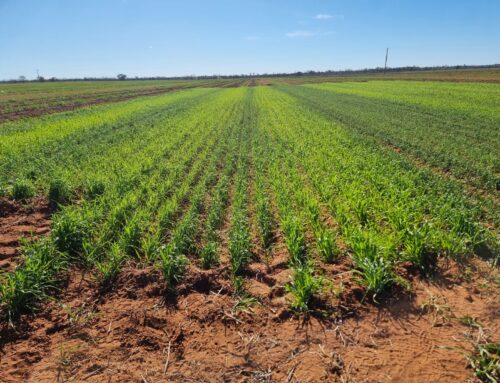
269, 230
20, 100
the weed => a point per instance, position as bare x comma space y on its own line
244, 303
442, 312
469, 321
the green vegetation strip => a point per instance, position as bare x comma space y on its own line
150, 182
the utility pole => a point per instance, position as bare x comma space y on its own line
386, 55
37, 74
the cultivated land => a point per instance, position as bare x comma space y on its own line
301, 231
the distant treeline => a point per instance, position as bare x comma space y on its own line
345, 72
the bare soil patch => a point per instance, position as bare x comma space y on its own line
140, 332
18, 220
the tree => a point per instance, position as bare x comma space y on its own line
22, 78
121, 76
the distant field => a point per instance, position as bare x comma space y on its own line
34, 99
236, 227
453, 75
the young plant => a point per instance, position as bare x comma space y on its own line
327, 246
149, 246
172, 264
361, 210
239, 286
451, 245
374, 270
94, 188
313, 210
59, 192
416, 249
167, 213
265, 221
239, 247
130, 239
69, 232
22, 190
183, 235
375, 274
209, 256
32, 280
485, 362
239, 236
295, 240
110, 267
303, 287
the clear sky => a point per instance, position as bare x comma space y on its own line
76, 38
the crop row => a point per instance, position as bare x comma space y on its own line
176, 180
387, 210
93, 141
436, 124
121, 219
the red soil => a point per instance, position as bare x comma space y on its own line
17, 221
140, 333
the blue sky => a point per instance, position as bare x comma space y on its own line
76, 38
